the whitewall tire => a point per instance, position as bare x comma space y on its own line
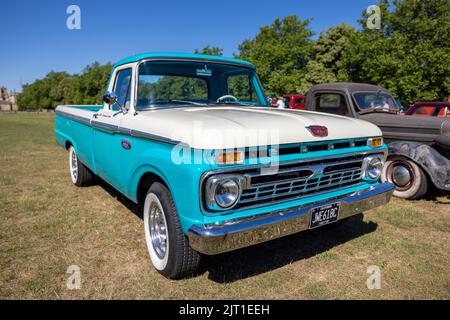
408, 178
73, 165
167, 245
155, 227
79, 173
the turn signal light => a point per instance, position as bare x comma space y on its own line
230, 157
375, 142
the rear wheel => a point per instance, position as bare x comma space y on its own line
167, 245
408, 178
79, 173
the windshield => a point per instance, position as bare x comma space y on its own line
434, 111
184, 83
375, 101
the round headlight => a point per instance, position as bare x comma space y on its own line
374, 168
226, 193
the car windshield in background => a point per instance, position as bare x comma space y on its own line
375, 101
184, 83
433, 111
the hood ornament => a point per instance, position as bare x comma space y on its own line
318, 131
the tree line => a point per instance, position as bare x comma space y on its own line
409, 55
58, 88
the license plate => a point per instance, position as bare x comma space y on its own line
324, 215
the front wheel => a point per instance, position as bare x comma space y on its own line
167, 245
408, 178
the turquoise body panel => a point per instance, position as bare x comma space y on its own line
77, 134
183, 180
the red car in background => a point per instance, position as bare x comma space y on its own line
295, 101
429, 109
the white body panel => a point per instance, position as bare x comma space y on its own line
235, 127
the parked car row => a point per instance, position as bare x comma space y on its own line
176, 135
430, 109
418, 147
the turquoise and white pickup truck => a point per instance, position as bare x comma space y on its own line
192, 139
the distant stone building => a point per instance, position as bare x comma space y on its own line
8, 101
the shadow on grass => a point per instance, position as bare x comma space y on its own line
261, 258
130, 205
438, 196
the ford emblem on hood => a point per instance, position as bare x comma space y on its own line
318, 131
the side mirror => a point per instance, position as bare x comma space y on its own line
110, 98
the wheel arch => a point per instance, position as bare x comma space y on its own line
434, 165
142, 179
67, 141
69, 144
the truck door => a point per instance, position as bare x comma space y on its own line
107, 137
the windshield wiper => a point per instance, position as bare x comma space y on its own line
168, 101
372, 110
234, 102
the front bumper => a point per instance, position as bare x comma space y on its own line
234, 234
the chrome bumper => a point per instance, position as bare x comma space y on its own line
234, 234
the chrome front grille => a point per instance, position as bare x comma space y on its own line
301, 180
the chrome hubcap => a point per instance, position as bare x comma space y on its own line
74, 165
158, 232
401, 176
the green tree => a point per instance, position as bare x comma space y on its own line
213, 51
62, 88
409, 55
89, 87
280, 53
44, 93
327, 65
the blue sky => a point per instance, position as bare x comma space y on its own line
35, 39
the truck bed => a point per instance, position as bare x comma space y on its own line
73, 127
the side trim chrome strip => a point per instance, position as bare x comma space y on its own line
145, 135
74, 117
105, 126
116, 129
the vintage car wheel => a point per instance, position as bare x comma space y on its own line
408, 178
168, 247
79, 173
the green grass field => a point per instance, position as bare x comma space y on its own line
47, 224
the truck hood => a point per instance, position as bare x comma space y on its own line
236, 127
411, 128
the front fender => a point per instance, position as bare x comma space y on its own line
138, 174
432, 162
